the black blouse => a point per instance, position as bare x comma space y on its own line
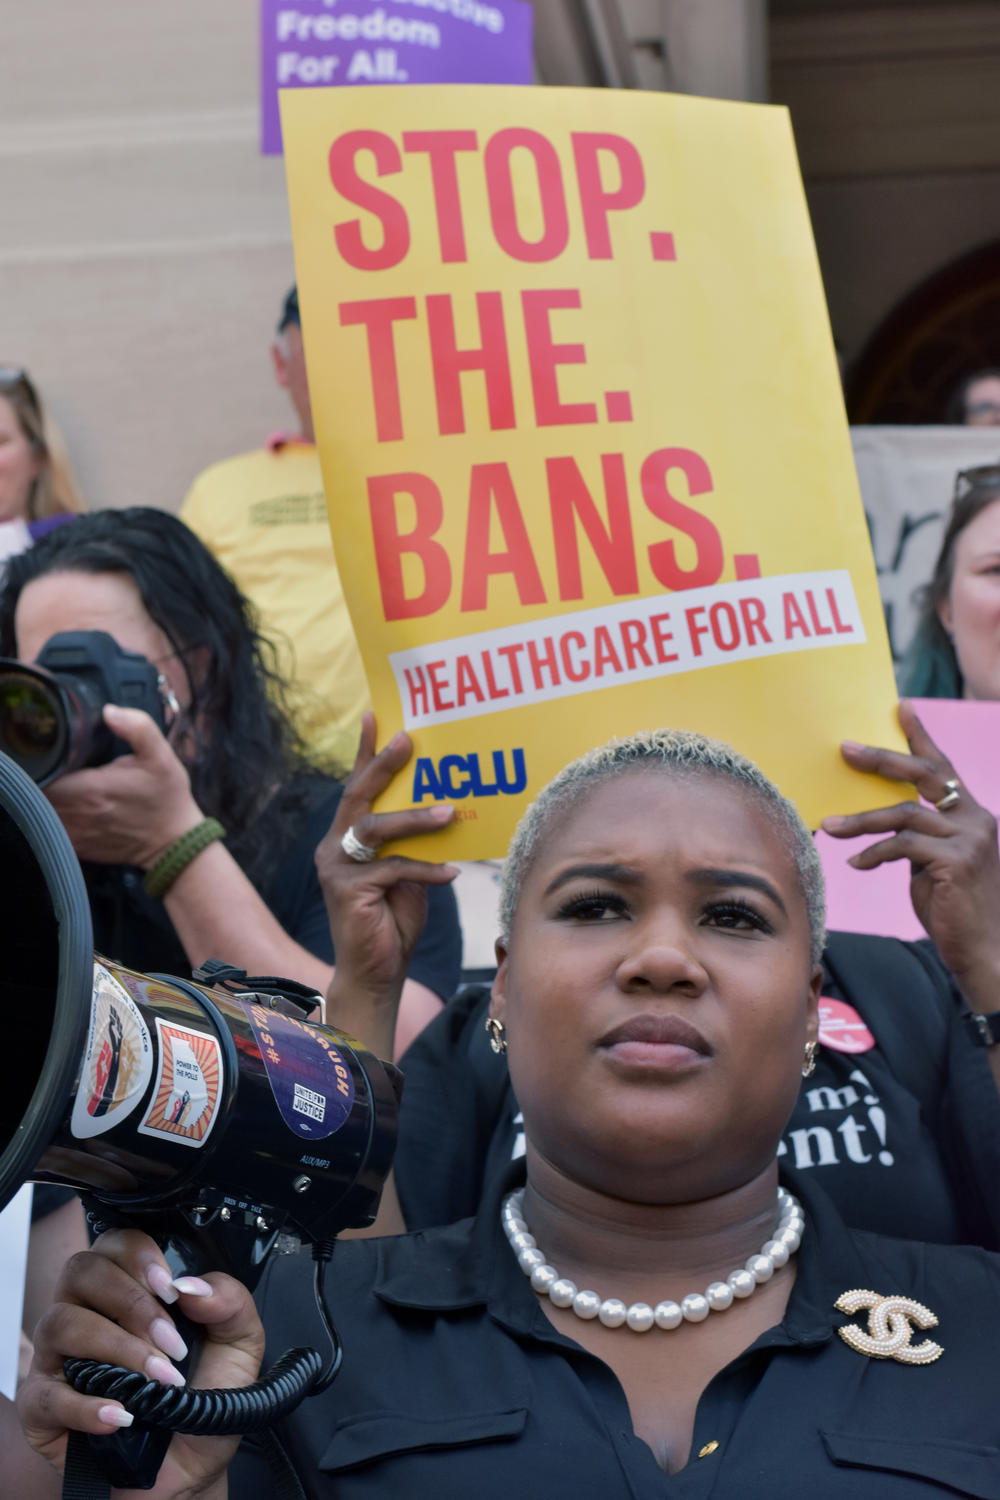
455, 1384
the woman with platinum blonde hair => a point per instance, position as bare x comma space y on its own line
640, 1306
679, 751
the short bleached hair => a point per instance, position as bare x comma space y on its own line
683, 753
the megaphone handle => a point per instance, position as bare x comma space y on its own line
160, 1411
129, 1459
126, 1460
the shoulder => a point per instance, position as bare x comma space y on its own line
454, 1034
225, 471
243, 477
948, 1272
871, 963
901, 989
369, 1280
958, 1284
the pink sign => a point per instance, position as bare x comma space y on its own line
878, 901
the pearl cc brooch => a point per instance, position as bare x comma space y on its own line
889, 1330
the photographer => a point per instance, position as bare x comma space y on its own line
169, 887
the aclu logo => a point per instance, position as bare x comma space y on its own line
457, 776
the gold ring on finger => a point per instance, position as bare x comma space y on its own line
952, 797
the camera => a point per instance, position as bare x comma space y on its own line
51, 713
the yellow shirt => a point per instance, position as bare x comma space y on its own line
263, 515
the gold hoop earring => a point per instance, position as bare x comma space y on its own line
496, 1032
809, 1062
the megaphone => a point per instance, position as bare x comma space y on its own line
215, 1115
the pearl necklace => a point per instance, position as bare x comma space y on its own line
640, 1317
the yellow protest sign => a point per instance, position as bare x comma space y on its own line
582, 437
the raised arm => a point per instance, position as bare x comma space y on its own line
376, 907
376, 910
951, 843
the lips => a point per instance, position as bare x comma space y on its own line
657, 1031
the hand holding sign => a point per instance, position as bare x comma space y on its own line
376, 909
954, 861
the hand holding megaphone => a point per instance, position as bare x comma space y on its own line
107, 1309
216, 1115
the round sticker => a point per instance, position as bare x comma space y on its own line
117, 1063
841, 1028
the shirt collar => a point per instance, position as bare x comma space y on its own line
451, 1268
469, 1264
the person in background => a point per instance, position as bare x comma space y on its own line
955, 651
200, 843
263, 515
37, 487
976, 401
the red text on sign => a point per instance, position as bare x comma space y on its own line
493, 507
609, 180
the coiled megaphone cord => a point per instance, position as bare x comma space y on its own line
181, 1409
242, 1409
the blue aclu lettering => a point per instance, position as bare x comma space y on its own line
458, 776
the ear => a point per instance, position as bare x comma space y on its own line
279, 362
944, 614
498, 1003
812, 1022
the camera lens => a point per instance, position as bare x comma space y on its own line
32, 724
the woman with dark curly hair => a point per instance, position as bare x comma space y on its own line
201, 842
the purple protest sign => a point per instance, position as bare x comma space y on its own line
315, 43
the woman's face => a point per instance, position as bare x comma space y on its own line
95, 601
658, 990
20, 465
971, 612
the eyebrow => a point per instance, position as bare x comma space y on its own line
627, 875
740, 877
622, 874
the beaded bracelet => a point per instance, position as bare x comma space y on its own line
160, 877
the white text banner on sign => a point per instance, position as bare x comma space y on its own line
444, 681
583, 439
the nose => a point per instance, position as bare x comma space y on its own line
662, 963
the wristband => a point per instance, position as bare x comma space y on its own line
160, 877
984, 1029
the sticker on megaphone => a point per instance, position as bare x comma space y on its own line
188, 1089
117, 1062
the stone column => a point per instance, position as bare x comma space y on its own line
718, 48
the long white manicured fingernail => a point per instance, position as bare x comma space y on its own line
115, 1416
192, 1286
166, 1337
162, 1370
161, 1283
